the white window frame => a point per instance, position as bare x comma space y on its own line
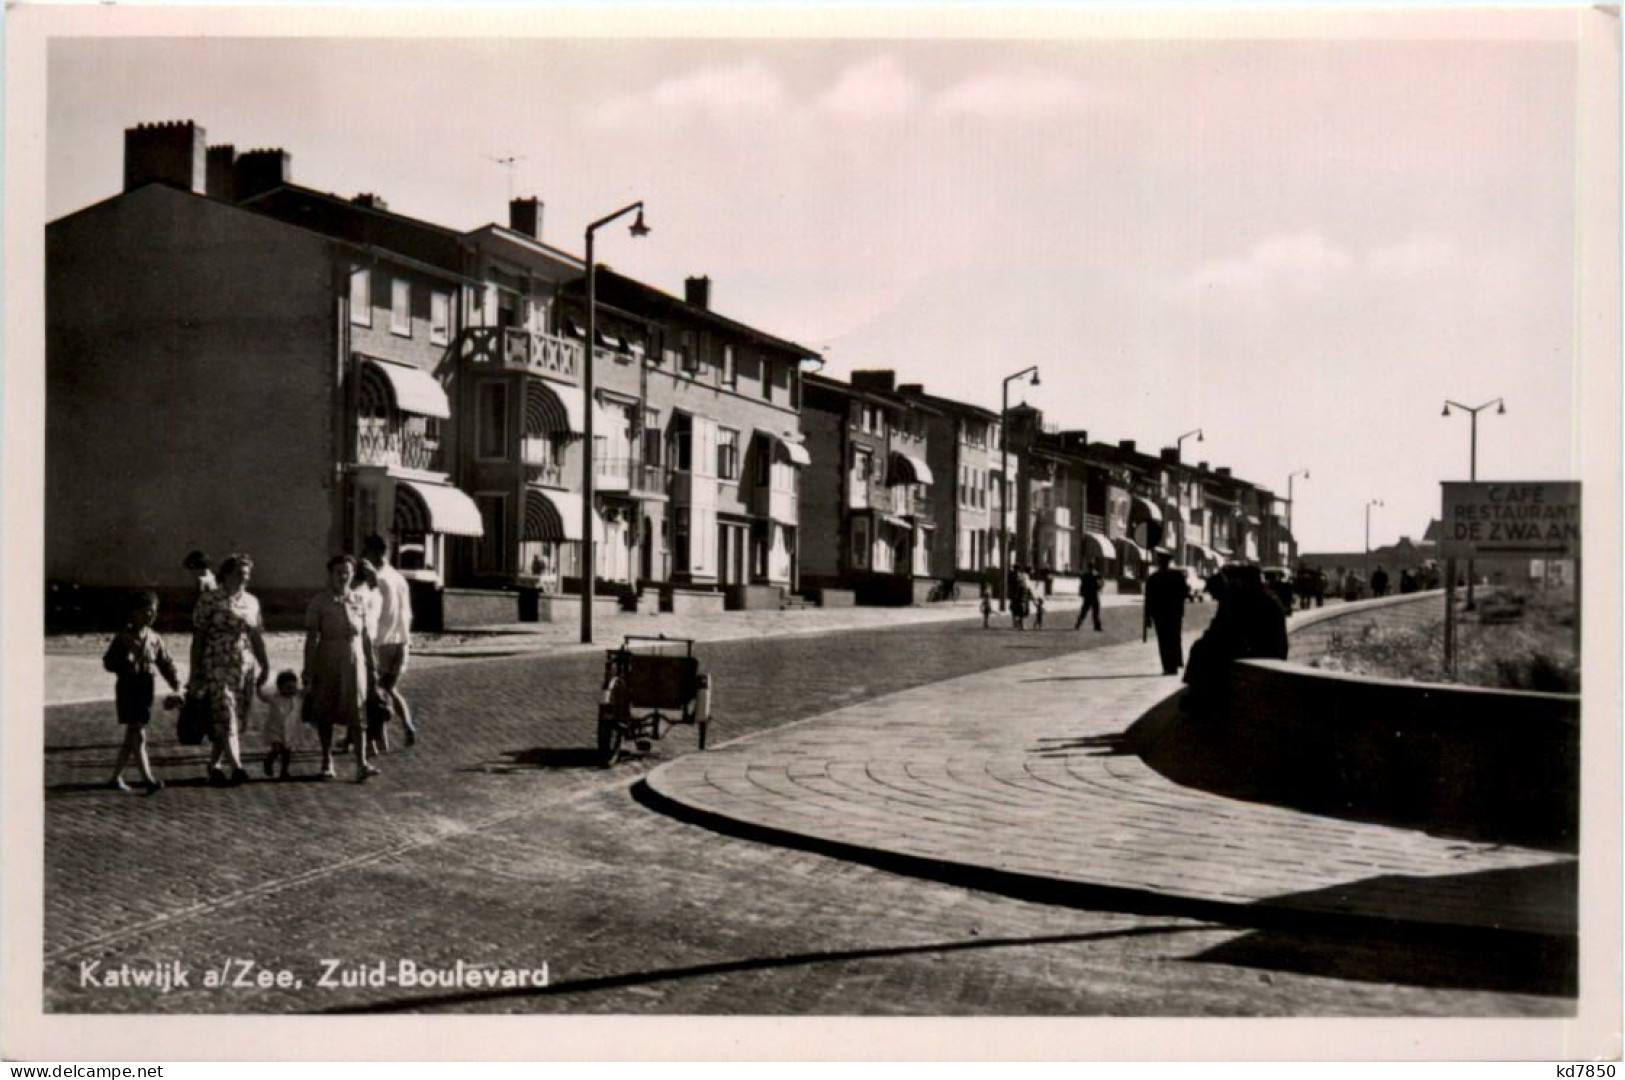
728, 464
360, 296
439, 317
400, 307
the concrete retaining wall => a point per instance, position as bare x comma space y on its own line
753, 597
690, 602
1506, 762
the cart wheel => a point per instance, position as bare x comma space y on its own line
609, 724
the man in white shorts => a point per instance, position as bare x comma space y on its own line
393, 644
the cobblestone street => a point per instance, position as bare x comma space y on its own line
495, 841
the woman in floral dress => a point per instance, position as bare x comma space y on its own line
338, 673
228, 640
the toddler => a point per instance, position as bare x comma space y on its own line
134, 654
281, 720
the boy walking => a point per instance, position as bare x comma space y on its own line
135, 653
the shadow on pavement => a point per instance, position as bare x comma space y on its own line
1092, 678
543, 757
765, 963
1114, 745
1437, 958
1183, 749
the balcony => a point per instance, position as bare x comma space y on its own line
397, 444
518, 349
1059, 517
541, 464
1094, 523
629, 475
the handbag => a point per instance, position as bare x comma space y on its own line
192, 723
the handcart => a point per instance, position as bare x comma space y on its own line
644, 690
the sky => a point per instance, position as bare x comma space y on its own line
1301, 246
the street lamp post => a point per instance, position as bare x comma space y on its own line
1004, 480
1472, 461
1305, 474
1179, 443
588, 567
1369, 504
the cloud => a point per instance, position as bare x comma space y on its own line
747, 91
1016, 95
1416, 256
876, 89
1296, 262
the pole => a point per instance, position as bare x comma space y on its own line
1367, 562
1450, 616
587, 565
1004, 493
1472, 477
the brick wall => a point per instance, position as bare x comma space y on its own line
191, 373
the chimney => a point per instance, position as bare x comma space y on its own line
1170, 455
370, 201
1075, 440
884, 380
911, 388
172, 153
259, 171
218, 182
697, 290
525, 216
1223, 470
1202, 465
1126, 445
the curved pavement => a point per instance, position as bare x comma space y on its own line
1019, 776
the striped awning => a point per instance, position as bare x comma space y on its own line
414, 390
1144, 507
1200, 553
552, 408
1098, 545
790, 446
435, 508
552, 515
908, 469
1132, 552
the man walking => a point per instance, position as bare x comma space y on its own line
1165, 609
1089, 589
394, 641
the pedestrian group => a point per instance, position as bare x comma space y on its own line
357, 644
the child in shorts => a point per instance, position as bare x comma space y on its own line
281, 720
987, 607
134, 654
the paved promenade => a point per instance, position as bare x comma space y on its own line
1020, 778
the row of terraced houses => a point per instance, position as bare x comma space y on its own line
236, 362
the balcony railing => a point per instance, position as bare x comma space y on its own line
1058, 516
628, 474
397, 445
526, 350
1094, 523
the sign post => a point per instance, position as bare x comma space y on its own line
1537, 519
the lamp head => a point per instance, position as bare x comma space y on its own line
1035, 380
638, 227
1501, 410
1199, 435
1446, 411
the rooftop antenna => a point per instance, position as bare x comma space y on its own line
509, 162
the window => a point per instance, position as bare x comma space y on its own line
493, 421
651, 437
727, 454
360, 296
767, 379
400, 307
439, 317
490, 555
860, 543
730, 373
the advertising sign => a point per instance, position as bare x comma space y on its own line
1540, 519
